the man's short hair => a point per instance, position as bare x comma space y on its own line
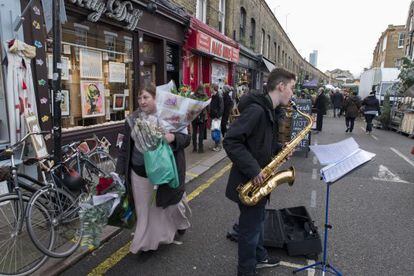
277, 76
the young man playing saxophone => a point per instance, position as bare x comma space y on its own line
250, 143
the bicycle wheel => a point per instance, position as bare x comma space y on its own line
18, 254
63, 221
103, 161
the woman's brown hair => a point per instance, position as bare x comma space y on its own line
150, 89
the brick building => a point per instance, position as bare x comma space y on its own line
390, 48
409, 32
253, 25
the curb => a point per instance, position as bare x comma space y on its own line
56, 266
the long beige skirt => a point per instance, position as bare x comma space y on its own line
155, 225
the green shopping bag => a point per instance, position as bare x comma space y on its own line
160, 166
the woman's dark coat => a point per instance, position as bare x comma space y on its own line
166, 196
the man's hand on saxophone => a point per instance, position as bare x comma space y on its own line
258, 180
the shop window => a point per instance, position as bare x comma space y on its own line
110, 42
242, 23
97, 74
128, 49
252, 33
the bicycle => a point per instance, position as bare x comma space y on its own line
80, 175
18, 254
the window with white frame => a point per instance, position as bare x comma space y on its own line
401, 38
384, 43
222, 15
201, 10
268, 47
262, 43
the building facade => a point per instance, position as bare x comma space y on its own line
264, 44
409, 32
107, 57
389, 50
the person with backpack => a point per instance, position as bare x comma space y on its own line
351, 107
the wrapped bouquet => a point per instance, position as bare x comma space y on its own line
178, 107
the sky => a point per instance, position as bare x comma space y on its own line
344, 32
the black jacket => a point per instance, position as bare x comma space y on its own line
321, 103
216, 106
166, 196
251, 141
338, 100
371, 103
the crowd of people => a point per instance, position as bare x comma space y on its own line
250, 143
348, 104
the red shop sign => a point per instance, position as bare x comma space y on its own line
212, 46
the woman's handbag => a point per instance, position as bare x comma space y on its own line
160, 166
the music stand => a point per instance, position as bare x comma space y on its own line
324, 265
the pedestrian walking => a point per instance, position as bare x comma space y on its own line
161, 212
216, 110
320, 106
371, 109
351, 107
199, 124
250, 143
337, 102
227, 107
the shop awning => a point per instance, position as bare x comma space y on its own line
208, 40
269, 65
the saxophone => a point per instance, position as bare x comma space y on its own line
250, 194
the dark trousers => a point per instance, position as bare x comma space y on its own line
224, 121
198, 128
368, 119
349, 121
250, 243
319, 121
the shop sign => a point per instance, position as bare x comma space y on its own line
122, 11
210, 45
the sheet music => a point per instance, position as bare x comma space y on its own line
332, 153
333, 172
340, 158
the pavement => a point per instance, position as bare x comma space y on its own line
197, 164
371, 213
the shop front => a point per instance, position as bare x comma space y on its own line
209, 56
110, 49
247, 69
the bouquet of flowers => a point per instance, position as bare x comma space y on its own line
95, 210
178, 107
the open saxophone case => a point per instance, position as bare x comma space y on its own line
291, 229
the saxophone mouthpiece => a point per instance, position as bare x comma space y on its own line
293, 105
